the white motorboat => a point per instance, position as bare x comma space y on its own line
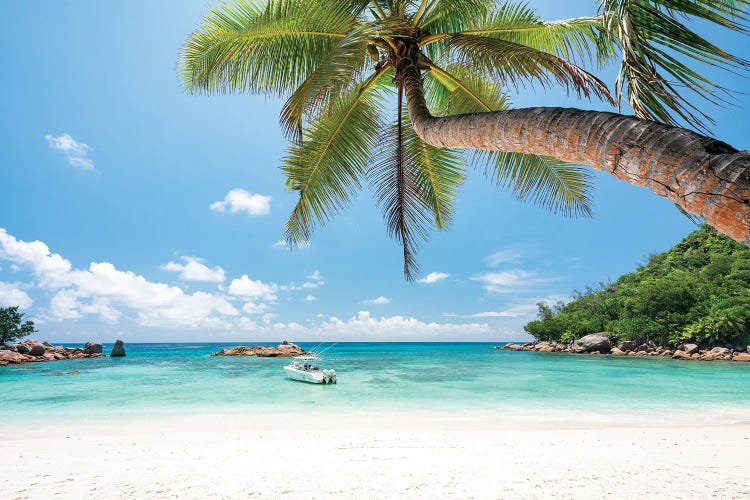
306, 369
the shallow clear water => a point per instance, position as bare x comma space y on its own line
183, 379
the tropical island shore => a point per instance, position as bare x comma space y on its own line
31, 351
601, 344
376, 455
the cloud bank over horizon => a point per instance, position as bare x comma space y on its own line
105, 297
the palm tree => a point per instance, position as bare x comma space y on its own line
343, 65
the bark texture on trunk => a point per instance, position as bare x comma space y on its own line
703, 176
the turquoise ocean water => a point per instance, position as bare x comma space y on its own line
159, 379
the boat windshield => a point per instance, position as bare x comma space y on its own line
305, 364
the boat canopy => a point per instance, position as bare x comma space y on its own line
308, 357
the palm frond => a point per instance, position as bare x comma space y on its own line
573, 39
392, 8
263, 46
415, 185
327, 167
552, 184
338, 72
451, 16
514, 64
658, 49
438, 174
456, 90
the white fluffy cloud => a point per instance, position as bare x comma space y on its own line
505, 256
253, 289
11, 295
511, 312
528, 308
102, 289
433, 278
77, 153
311, 298
364, 326
377, 301
314, 280
315, 276
111, 295
251, 307
514, 280
239, 200
504, 281
192, 269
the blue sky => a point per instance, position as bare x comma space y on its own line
117, 218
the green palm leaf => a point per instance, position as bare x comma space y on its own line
552, 184
513, 63
456, 90
656, 47
451, 16
268, 47
339, 72
516, 22
327, 167
415, 185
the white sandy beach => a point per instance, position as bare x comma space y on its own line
456, 455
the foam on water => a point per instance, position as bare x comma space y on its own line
159, 379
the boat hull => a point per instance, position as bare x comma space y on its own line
305, 376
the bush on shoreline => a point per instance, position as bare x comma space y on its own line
699, 291
12, 326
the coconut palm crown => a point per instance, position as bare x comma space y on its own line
343, 66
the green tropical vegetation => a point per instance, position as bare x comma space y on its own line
12, 325
699, 291
345, 67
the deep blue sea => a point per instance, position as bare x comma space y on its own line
163, 379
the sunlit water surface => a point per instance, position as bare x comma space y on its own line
158, 379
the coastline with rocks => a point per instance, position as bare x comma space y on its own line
284, 350
598, 343
31, 351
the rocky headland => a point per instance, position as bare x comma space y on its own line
284, 350
601, 344
30, 351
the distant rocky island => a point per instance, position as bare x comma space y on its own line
31, 351
284, 350
601, 344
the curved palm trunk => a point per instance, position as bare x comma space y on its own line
701, 175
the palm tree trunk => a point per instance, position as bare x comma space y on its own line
701, 175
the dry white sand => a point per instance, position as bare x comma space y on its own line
384, 455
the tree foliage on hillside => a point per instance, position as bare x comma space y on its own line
698, 291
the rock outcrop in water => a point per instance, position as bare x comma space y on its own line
30, 351
92, 348
284, 350
118, 350
600, 344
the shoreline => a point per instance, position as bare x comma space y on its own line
518, 419
603, 346
366, 455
